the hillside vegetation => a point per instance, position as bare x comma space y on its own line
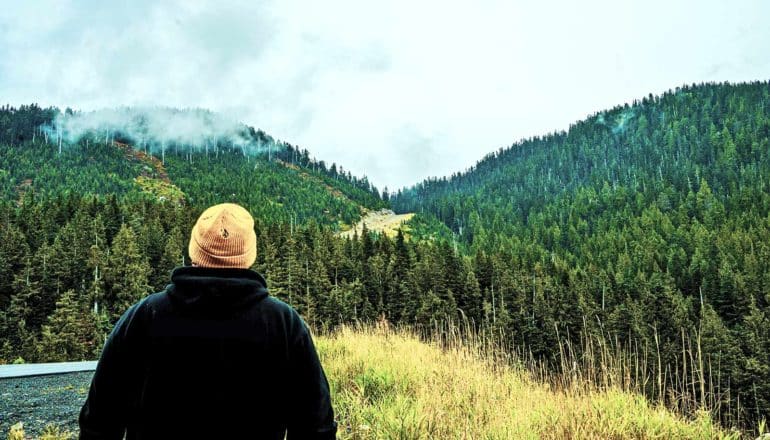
282, 184
387, 384
642, 233
649, 223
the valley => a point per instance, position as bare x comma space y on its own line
632, 249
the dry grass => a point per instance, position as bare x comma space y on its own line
387, 384
50, 433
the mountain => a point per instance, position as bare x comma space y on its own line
677, 184
184, 156
647, 221
661, 149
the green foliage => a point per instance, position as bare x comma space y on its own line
72, 332
160, 189
271, 190
286, 186
125, 274
646, 227
643, 221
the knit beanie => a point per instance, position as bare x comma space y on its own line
224, 237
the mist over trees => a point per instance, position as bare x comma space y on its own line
644, 229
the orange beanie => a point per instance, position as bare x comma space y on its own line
224, 237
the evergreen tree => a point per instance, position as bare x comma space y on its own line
13, 252
173, 256
71, 332
126, 274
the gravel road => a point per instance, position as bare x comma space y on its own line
41, 400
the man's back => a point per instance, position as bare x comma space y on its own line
212, 356
210, 359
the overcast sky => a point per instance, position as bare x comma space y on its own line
397, 90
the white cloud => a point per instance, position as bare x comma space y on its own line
396, 90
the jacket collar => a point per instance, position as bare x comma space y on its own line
193, 286
185, 274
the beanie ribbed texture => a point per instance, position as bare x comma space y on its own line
223, 237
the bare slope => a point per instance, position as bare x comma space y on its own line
384, 221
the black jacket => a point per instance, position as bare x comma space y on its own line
211, 356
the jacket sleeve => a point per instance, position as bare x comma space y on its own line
312, 416
104, 413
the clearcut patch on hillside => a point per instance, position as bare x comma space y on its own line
384, 221
153, 178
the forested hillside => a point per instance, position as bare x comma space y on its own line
647, 223
53, 153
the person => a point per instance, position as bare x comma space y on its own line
211, 356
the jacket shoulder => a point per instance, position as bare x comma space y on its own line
153, 301
138, 315
283, 312
275, 304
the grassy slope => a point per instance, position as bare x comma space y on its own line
387, 384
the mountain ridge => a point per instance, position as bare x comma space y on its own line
52, 151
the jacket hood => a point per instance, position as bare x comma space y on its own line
213, 289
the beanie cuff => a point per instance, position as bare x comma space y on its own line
202, 258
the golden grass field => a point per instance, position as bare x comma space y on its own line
387, 384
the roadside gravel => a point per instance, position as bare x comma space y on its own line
42, 400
